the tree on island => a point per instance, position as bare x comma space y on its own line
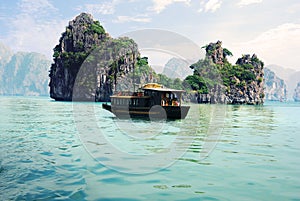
241, 83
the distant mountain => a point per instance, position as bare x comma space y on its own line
275, 88
177, 68
282, 72
297, 93
294, 80
290, 76
5, 55
23, 73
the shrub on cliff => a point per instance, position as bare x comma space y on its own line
243, 81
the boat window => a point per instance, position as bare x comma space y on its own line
147, 102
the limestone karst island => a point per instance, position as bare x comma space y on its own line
91, 65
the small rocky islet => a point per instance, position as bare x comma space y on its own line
214, 79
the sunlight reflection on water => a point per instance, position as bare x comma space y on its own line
42, 157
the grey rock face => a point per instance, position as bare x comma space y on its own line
100, 60
215, 52
297, 93
290, 76
246, 92
275, 88
23, 73
241, 89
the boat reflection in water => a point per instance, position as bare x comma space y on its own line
151, 101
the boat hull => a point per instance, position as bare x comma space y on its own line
155, 112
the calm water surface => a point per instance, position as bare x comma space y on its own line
61, 151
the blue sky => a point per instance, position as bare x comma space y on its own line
269, 28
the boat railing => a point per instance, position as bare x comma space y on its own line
128, 93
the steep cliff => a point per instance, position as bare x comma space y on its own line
297, 93
5, 54
290, 76
103, 60
215, 52
23, 73
249, 81
218, 81
275, 88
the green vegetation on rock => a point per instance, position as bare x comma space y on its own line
207, 73
100, 60
96, 27
222, 81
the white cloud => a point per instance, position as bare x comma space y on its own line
210, 5
213, 5
106, 8
32, 31
293, 8
36, 7
160, 5
123, 18
279, 45
248, 2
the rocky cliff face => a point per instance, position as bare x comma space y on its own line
23, 73
248, 87
242, 83
100, 60
5, 54
290, 76
215, 52
297, 93
275, 88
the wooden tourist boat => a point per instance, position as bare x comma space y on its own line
151, 101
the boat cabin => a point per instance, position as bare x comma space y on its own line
148, 96
164, 96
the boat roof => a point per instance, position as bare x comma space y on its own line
163, 89
128, 97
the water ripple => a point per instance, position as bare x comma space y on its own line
42, 158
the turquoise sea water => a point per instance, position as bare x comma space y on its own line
63, 151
